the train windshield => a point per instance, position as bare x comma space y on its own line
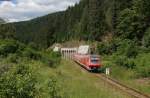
94, 61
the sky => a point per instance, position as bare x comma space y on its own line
21, 10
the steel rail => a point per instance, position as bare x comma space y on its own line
131, 91
128, 90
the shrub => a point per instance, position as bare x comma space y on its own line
55, 57
12, 58
31, 53
127, 48
142, 71
143, 65
54, 88
106, 48
130, 24
125, 62
52, 59
33, 46
103, 48
146, 39
21, 48
8, 46
19, 82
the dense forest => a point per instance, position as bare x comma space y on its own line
88, 20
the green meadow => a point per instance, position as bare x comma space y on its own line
77, 83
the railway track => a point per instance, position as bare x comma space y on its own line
132, 92
128, 90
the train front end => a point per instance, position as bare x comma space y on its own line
94, 62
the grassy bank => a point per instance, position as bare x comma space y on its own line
130, 77
129, 62
76, 83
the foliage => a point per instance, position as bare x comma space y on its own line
54, 88
128, 48
7, 31
108, 48
8, 46
12, 58
130, 24
146, 38
19, 82
51, 59
143, 65
104, 48
119, 46
13, 50
19, 49
87, 20
142, 7
143, 71
125, 62
30, 53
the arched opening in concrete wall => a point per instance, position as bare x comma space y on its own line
67, 53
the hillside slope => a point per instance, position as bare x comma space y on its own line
77, 83
88, 20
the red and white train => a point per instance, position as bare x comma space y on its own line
88, 61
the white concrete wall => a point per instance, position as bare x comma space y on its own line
67, 53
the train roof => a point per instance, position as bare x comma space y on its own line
84, 49
95, 56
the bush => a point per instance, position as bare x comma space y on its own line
54, 88
130, 24
143, 65
142, 71
19, 82
103, 48
15, 48
33, 46
146, 39
8, 46
107, 48
52, 59
12, 58
31, 54
127, 48
55, 57
125, 62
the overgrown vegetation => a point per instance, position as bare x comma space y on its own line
54, 88
13, 50
21, 78
126, 53
18, 82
